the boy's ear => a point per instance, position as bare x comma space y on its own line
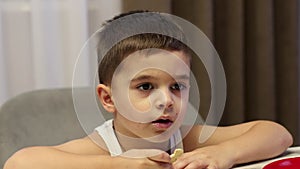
104, 95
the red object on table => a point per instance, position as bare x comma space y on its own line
288, 163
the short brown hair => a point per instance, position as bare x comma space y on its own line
125, 47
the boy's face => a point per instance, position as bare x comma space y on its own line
150, 91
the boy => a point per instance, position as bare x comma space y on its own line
144, 82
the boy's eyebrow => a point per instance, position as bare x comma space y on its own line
148, 77
143, 77
183, 77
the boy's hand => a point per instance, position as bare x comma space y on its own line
211, 157
147, 159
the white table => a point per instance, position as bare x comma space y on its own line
291, 152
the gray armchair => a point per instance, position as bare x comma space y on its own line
42, 117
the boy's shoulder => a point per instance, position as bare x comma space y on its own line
190, 136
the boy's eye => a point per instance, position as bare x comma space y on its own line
178, 86
145, 86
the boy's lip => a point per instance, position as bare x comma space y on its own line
163, 122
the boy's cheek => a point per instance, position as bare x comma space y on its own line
141, 105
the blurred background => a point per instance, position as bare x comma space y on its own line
257, 40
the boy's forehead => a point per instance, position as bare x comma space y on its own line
159, 57
173, 62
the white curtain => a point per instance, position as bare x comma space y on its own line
41, 39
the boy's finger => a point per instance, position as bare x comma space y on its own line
162, 157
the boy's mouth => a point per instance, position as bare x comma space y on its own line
162, 123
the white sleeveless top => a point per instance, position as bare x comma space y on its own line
107, 133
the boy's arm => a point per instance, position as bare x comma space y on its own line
50, 158
58, 156
236, 144
81, 153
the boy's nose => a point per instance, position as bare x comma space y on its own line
165, 100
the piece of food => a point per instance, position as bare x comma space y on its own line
176, 154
